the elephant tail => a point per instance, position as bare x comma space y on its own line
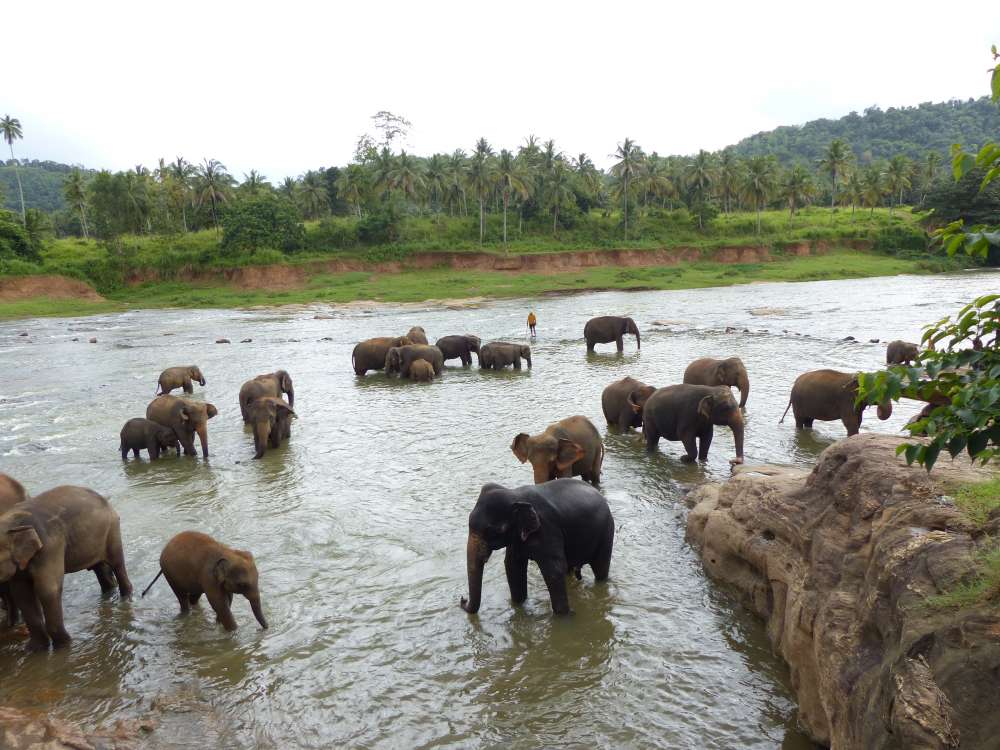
780, 421
146, 590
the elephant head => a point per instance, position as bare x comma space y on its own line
526, 354
268, 415
496, 522
720, 408
195, 374
629, 326
733, 372
551, 457
18, 544
285, 385
393, 361
195, 415
474, 342
236, 572
637, 398
167, 439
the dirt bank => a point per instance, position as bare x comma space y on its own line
839, 562
16, 288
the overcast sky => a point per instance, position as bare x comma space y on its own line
283, 87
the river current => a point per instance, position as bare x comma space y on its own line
359, 523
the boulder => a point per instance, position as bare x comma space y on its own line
839, 562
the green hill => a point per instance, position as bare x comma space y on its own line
879, 134
42, 182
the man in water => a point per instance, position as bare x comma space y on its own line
532, 321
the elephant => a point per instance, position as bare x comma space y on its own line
608, 328
370, 354
421, 371
459, 347
730, 371
496, 355
63, 530
901, 353
622, 402
179, 377
417, 335
562, 525
139, 434
185, 418
194, 564
689, 413
399, 358
269, 384
271, 418
568, 448
829, 395
12, 492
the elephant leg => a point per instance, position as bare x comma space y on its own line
800, 420
188, 443
220, 603
704, 442
691, 449
188, 387
116, 560
193, 599
24, 596
125, 454
466, 360
624, 420
8, 602
517, 363
652, 438
182, 596
590, 345
50, 598
105, 577
596, 470
135, 452
852, 422
808, 423
153, 449
554, 572
620, 344
601, 564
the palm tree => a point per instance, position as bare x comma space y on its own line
457, 177
214, 184
560, 190
436, 179
699, 176
181, 174
872, 187
75, 192
654, 177
629, 157
797, 188
406, 176
480, 178
758, 182
853, 191
11, 129
931, 164
352, 184
836, 159
313, 194
382, 166
897, 178
253, 182
730, 174
513, 178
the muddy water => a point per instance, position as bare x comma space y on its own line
359, 524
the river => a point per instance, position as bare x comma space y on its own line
359, 523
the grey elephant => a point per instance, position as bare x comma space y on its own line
622, 402
570, 447
144, 434
608, 328
179, 377
370, 354
417, 335
689, 413
270, 384
271, 419
730, 371
828, 395
901, 353
421, 371
12, 492
186, 418
497, 355
399, 359
459, 347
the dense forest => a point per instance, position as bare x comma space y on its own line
42, 182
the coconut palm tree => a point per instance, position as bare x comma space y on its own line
630, 158
406, 176
897, 178
560, 190
700, 176
872, 187
11, 129
480, 179
253, 183
729, 176
457, 178
853, 192
436, 179
654, 179
75, 192
758, 182
797, 188
513, 179
137, 198
929, 171
835, 161
381, 168
313, 194
289, 188
181, 174
352, 184
214, 185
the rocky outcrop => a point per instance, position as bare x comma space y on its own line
20, 730
840, 562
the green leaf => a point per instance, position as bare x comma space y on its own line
956, 445
995, 83
931, 455
911, 452
977, 443
961, 164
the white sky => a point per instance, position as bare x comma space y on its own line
288, 86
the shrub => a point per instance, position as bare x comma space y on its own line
264, 221
14, 241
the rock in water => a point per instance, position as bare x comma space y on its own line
222, 341
840, 562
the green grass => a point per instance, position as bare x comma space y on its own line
978, 500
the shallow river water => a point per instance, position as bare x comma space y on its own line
359, 524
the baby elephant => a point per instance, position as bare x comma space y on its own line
571, 447
901, 353
144, 434
421, 371
194, 564
271, 419
179, 377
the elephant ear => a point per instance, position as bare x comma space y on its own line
211, 410
705, 407
284, 406
220, 570
185, 417
568, 453
286, 381
24, 543
520, 447
525, 519
632, 401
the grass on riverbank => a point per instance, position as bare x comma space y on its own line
417, 286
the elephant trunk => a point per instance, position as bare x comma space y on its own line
527, 358
254, 600
202, 430
885, 410
261, 432
476, 555
736, 425
635, 330
743, 383
291, 396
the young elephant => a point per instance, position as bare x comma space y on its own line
179, 377
730, 372
562, 525
496, 355
417, 335
622, 402
61, 531
400, 358
144, 434
459, 347
194, 564
689, 413
185, 418
608, 328
571, 447
270, 384
370, 354
901, 353
828, 395
271, 419
421, 371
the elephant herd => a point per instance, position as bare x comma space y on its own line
411, 357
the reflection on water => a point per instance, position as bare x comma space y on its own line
359, 524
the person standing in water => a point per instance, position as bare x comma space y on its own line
532, 321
